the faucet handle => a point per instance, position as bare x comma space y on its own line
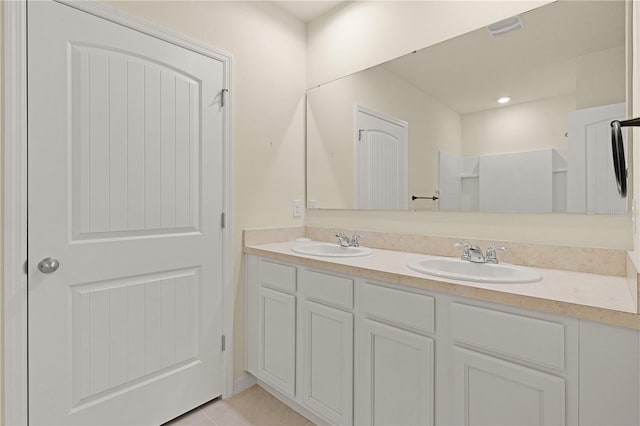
343, 240
355, 240
466, 255
491, 253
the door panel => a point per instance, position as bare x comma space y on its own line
141, 119
327, 342
125, 333
591, 186
396, 376
128, 329
277, 340
490, 391
381, 161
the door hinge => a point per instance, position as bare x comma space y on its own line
360, 135
224, 343
25, 267
223, 97
223, 220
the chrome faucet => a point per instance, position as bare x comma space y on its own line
473, 253
491, 253
345, 241
466, 255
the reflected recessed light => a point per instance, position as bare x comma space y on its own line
504, 100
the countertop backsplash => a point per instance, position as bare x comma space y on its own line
578, 259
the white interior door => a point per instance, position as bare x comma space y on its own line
381, 161
591, 184
125, 190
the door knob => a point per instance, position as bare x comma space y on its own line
48, 265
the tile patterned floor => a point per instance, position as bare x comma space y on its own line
253, 407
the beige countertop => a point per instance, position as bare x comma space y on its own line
601, 298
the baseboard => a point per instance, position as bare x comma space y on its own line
286, 400
243, 382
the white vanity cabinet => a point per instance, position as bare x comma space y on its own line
609, 364
277, 331
396, 359
300, 336
349, 350
511, 369
327, 345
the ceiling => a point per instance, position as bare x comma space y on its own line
307, 11
469, 73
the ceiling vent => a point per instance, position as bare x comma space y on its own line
505, 26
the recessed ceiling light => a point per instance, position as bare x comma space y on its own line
504, 100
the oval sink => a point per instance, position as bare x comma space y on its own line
330, 250
458, 269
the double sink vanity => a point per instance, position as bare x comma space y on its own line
419, 330
363, 335
472, 265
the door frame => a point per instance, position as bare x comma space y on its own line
14, 206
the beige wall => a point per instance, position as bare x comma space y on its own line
378, 31
598, 78
523, 127
268, 73
363, 34
330, 118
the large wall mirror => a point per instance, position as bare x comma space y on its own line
430, 125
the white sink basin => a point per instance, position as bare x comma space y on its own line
330, 250
458, 269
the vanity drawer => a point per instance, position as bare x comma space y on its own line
277, 275
524, 338
331, 289
402, 308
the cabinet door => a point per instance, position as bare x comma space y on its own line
276, 339
490, 391
395, 376
327, 370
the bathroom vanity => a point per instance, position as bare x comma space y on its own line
368, 341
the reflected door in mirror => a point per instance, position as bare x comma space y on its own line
380, 161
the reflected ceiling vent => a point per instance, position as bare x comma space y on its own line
505, 26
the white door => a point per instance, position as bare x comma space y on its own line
396, 376
591, 184
277, 339
490, 391
327, 340
381, 161
125, 190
